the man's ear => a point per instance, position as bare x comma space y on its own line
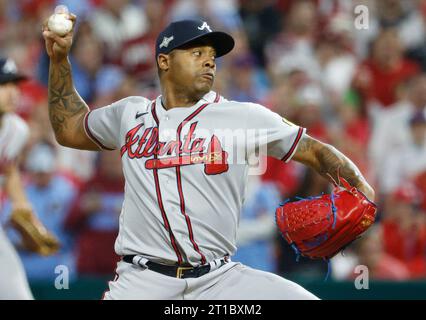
163, 61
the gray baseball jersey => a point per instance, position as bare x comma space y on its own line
185, 182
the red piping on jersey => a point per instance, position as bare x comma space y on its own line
295, 143
91, 136
159, 198
187, 219
216, 100
179, 180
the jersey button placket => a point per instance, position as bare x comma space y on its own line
166, 134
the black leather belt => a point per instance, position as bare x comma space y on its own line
180, 272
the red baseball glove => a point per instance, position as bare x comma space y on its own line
320, 227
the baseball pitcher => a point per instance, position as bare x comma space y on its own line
185, 185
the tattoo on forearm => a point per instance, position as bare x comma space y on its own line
334, 163
64, 101
329, 162
305, 145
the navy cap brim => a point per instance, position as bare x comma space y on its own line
7, 78
222, 42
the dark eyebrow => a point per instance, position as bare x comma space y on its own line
202, 46
199, 45
211, 51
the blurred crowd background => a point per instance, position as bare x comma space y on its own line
361, 90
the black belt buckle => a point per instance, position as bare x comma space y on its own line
175, 271
192, 272
180, 271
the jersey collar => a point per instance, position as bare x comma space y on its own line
208, 97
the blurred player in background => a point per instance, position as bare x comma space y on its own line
14, 133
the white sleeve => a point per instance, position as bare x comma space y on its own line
18, 133
103, 125
393, 171
273, 133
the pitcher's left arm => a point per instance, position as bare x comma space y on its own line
331, 164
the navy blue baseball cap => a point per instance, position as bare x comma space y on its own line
183, 32
9, 72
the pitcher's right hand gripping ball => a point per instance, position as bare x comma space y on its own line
59, 23
320, 227
35, 237
58, 46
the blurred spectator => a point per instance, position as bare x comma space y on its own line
420, 183
405, 17
223, 14
18, 40
285, 176
117, 21
34, 97
418, 52
257, 229
81, 8
284, 98
334, 53
248, 83
94, 217
404, 230
137, 54
381, 265
351, 133
261, 22
391, 127
86, 59
378, 78
412, 153
362, 38
17, 34
293, 47
225, 66
112, 85
310, 103
77, 165
51, 196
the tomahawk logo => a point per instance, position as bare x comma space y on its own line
166, 41
9, 66
205, 26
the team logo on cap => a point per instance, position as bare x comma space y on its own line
9, 66
205, 26
166, 42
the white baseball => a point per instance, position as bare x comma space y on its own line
59, 24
